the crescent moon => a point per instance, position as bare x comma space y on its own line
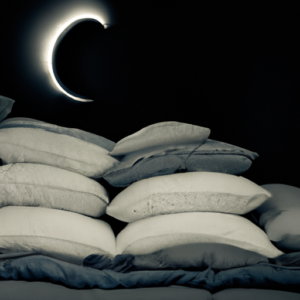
53, 48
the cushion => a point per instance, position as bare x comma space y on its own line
76, 133
59, 234
212, 156
163, 135
190, 257
187, 192
41, 185
280, 216
160, 232
32, 145
5, 106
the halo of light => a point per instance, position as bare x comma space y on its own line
61, 32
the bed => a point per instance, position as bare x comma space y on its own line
162, 213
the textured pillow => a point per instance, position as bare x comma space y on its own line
187, 192
31, 145
163, 135
73, 132
59, 234
46, 186
191, 257
280, 216
5, 106
212, 156
160, 232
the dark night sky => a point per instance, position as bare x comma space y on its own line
231, 66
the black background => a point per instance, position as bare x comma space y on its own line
231, 66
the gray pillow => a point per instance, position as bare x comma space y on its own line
5, 106
73, 132
212, 156
280, 216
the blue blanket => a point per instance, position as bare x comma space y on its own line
41, 268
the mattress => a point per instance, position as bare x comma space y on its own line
23, 290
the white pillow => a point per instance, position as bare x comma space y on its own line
160, 232
32, 145
59, 234
74, 132
6, 105
187, 192
161, 136
40, 185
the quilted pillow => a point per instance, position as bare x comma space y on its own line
33, 145
161, 136
280, 216
59, 234
46, 186
5, 106
73, 132
187, 192
212, 156
153, 234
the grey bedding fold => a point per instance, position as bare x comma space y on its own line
40, 268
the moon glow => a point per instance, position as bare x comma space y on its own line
63, 30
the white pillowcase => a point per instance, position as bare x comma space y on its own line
59, 234
187, 192
161, 136
74, 132
40, 185
32, 145
160, 232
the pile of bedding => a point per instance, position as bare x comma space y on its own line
184, 202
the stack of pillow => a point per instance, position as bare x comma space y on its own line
49, 202
169, 147
182, 191
183, 199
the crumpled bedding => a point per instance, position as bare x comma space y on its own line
41, 268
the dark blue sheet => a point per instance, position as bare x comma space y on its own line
41, 268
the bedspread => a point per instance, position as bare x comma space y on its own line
42, 268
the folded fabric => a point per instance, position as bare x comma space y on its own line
6, 105
73, 132
153, 234
16, 255
40, 268
32, 145
161, 136
212, 156
187, 192
280, 216
192, 257
60, 234
46, 186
